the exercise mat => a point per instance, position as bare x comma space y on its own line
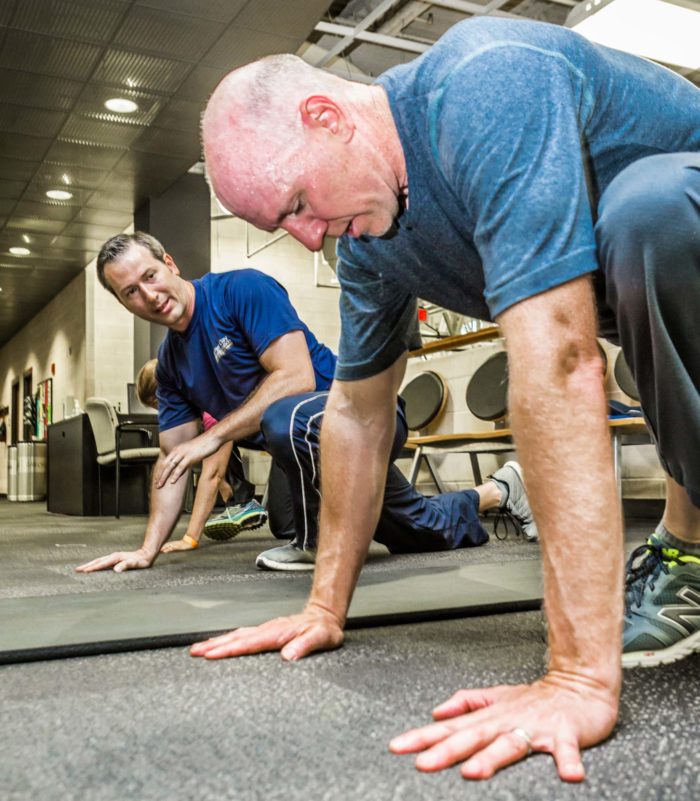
60, 626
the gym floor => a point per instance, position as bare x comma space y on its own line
159, 724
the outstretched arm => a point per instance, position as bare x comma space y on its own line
356, 436
558, 413
289, 371
165, 506
213, 471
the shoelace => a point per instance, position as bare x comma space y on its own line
504, 517
646, 572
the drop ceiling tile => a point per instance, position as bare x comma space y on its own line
106, 199
167, 35
6, 10
51, 211
218, 10
144, 163
91, 131
82, 231
18, 169
29, 148
31, 121
94, 20
7, 205
111, 219
180, 115
38, 91
11, 189
60, 176
295, 20
200, 83
146, 73
48, 56
180, 144
86, 154
91, 103
19, 222
239, 45
92, 245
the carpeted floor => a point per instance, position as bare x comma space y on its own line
161, 725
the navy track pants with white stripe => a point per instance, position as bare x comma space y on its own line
409, 522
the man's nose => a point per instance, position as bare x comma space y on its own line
309, 232
149, 293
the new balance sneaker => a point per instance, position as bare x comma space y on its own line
662, 606
235, 519
516, 506
286, 557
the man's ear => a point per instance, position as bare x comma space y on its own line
319, 111
170, 263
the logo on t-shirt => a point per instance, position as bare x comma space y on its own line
223, 345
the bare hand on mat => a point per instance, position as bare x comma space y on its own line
119, 561
315, 629
489, 729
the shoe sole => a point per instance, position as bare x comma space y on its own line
263, 563
666, 656
227, 530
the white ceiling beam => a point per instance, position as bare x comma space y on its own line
373, 38
346, 41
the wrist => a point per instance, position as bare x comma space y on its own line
318, 608
191, 541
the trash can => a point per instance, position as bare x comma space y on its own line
31, 471
12, 473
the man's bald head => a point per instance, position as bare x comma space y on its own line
252, 126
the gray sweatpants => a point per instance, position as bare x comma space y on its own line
648, 234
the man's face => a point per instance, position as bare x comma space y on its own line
318, 193
149, 288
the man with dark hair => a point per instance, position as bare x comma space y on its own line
515, 172
237, 349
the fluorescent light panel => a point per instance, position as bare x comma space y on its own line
663, 31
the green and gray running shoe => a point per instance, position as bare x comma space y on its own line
662, 606
234, 519
516, 506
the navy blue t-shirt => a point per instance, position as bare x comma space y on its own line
214, 365
511, 132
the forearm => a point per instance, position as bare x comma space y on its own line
245, 420
165, 506
558, 412
213, 470
354, 463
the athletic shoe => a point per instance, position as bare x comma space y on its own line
516, 506
286, 557
662, 606
235, 519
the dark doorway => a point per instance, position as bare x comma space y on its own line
15, 413
27, 406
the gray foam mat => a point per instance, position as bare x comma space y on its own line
107, 622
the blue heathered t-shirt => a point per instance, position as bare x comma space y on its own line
511, 132
214, 365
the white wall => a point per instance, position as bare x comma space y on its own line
88, 338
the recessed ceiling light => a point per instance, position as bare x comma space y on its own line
59, 194
26, 239
121, 105
66, 179
20, 251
